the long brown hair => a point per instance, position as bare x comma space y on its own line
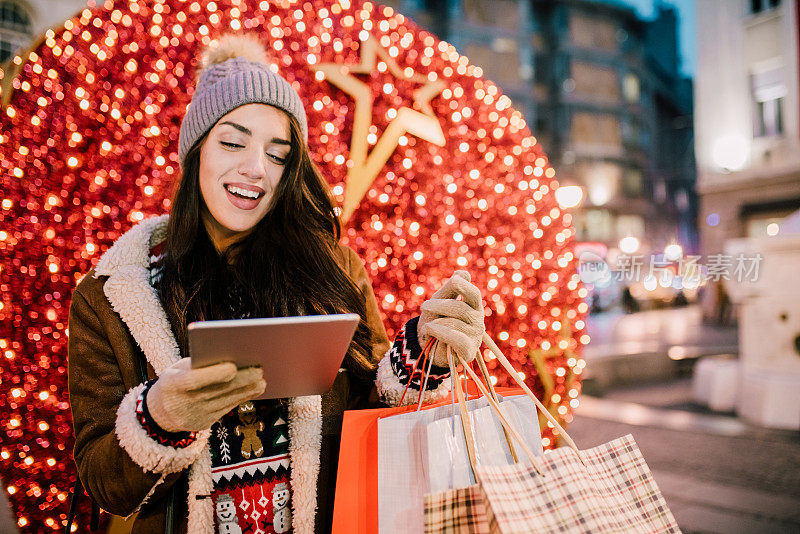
286, 266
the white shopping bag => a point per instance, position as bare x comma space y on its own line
401, 461
419, 452
445, 460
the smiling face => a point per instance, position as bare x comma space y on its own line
280, 496
226, 510
241, 162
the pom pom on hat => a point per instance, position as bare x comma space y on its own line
232, 45
231, 72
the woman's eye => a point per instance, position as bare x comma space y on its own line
275, 157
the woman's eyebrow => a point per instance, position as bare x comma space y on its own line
247, 131
238, 127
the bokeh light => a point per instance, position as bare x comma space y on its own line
89, 147
629, 244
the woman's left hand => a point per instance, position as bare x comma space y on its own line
455, 323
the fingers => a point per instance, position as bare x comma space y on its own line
207, 411
447, 291
471, 294
459, 285
244, 377
230, 399
194, 379
177, 369
450, 308
443, 327
192, 399
440, 356
452, 333
463, 274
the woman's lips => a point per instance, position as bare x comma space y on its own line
247, 187
243, 203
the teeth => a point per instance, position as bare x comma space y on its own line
243, 192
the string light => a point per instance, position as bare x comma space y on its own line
88, 147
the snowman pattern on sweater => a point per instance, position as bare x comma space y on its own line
226, 516
281, 515
250, 464
251, 469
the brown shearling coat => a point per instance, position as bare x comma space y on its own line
116, 320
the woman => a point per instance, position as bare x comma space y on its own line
252, 233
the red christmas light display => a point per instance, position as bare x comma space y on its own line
89, 147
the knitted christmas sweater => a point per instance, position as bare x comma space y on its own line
250, 444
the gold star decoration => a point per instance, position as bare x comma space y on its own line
423, 124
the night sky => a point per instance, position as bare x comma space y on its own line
687, 28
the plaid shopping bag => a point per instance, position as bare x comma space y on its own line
456, 511
608, 489
611, 491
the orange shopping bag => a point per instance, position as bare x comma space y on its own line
355, 508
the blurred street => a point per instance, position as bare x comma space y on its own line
679, 332
718, 473
649, 346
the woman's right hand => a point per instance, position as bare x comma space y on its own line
183, 399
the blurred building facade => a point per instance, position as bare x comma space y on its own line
602, 91
600, 88
747, 119
23, 23
15, 28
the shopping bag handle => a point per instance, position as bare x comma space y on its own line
488, 381
510, 369
422, 358
462, 409
494, 404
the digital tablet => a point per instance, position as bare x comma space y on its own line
299, 355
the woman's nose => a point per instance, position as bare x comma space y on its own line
252, 165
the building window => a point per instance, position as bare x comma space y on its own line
630, 225
12, 17
602, 180
630, 88
757, 6
540, 125
768, 116
594, 225
15, 29
597, 129
592, 32
767, 224
632, 182
6, 49
593, 82
502, 67
498, 13
631, 133
769, 92
682, 200
599, 225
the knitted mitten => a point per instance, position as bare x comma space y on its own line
186, 399
457, 323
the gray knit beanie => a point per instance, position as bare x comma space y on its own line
234, 72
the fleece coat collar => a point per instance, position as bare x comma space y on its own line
135, 300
